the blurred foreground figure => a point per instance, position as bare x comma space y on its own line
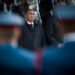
12, 60
61, 61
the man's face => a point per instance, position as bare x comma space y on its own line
30, 16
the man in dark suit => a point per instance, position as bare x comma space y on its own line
32, 34
50, 29
61, 61
13, 61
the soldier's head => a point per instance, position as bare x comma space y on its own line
10, 26
65, 17
30, 15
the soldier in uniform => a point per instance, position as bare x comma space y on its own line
61, 61
13, 61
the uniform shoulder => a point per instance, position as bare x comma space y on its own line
26, 58
26, 52
14, 58
51, 53
50, 58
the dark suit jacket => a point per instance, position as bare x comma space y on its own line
15, 62
32, 38
59, 61
51, 30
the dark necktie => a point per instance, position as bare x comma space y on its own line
31, 26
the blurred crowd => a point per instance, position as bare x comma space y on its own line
39, 30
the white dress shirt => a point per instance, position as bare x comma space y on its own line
31, 23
